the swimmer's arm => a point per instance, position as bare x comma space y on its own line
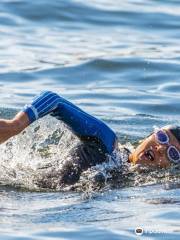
82, 124
10, 128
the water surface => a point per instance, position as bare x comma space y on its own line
120, 62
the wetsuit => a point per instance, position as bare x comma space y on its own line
97, 139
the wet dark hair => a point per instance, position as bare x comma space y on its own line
175, 130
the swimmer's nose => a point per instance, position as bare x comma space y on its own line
157, 147
160, 149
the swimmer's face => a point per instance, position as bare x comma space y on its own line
152, 154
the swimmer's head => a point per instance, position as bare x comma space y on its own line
159, 150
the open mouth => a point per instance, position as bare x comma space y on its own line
149, 154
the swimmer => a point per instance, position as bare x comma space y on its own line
160, 149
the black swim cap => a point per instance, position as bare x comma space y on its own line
175, 130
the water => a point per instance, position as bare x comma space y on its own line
118, 60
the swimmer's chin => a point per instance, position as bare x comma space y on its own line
135, 166
132, 159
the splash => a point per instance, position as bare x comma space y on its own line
33, 159
35, 154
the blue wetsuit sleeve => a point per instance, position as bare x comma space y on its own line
81, 123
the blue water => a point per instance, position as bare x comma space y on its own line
118, 60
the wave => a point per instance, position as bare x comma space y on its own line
84, 14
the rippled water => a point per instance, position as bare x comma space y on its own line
118, 60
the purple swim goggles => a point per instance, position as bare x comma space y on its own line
172, 152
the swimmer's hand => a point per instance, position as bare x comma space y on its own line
42, 105
10, 128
